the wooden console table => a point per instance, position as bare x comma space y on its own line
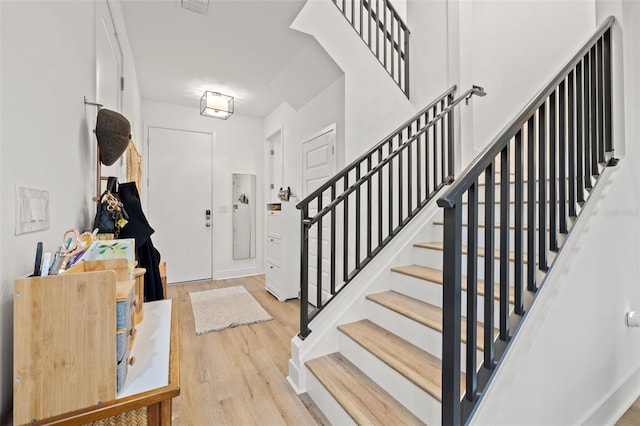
140, 402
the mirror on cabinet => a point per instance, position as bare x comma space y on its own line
244, 216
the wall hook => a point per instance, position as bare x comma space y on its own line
86, 102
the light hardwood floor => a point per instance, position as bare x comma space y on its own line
238, 376
632, 416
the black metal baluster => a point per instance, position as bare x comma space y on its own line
571, 143
436, 158
345, 240
392, 41
391, 203
409, 173
384, 35
406, 61
542, 189
398, 44
608, 146
450, 141
531, 205
333, 241
599, 73
472, 292
426, 157
369, 208
518, 263
489, 254
361, 18
553, 235
369, 23
579, 135
562, 159
587, 123
451, 332
380, 196
304, 272
319, 302
504, 244
378, 29
400, 185
421, 199
594, 115
357, 223
442, 139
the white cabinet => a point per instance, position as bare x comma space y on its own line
278, 281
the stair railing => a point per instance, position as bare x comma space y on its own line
366, 204
565, 135
382, 29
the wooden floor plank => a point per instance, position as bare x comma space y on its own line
435, 276
424, 313
632, 416
365, 401
238, 376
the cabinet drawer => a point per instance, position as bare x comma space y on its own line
272, 274
273, 254
273, 223
125, 298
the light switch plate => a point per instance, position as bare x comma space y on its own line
32, 210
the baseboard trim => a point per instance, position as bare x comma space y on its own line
613, 405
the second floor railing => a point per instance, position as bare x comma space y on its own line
382, 29
366, 204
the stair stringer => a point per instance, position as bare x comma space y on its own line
573, 355
351, 304
374, 104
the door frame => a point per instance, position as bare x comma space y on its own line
213, 180
334, 155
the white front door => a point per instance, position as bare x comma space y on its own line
180, 201
318, 165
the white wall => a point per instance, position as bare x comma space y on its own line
575, 359
512, 49
238, 148
48, 65
374, 105
324, 110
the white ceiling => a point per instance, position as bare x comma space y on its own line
242, 48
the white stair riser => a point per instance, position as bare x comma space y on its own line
432, 293
433, 259
419, 402
419, 335
332, 410
497, 235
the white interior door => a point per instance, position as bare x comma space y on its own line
180, 201
318, 165
109, 66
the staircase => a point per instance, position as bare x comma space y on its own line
399, 344
419, 343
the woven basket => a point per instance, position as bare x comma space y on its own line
137, 417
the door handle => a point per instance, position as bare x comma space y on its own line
208, 225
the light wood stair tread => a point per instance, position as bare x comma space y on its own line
423, 313
437, 245
436, 276
364, 400
417, 365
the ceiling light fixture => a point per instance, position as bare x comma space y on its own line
214, 104
198, 6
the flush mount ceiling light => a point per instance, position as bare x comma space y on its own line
214, 104
198, 6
